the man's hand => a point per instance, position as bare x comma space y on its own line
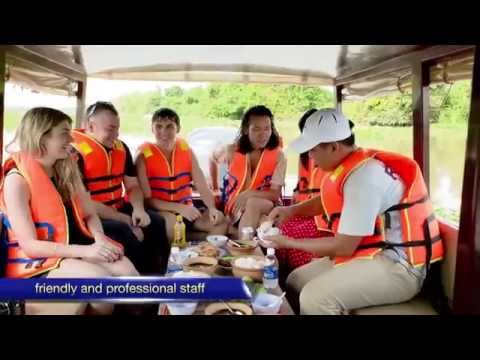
279, 214
189, 212
140, 217
240, 202
216, 217
276, 241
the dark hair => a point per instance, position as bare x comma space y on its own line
101, 106
243, 142
166, 113
303, 119
301, 124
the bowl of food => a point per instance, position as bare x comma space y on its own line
200, 263
206, 249
267, 304
250, 266
225, 262
182, 308
230, 308
217, 240
241, 247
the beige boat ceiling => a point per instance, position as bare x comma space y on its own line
363, 70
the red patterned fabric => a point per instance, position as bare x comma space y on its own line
298, 227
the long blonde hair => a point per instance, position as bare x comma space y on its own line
37, 123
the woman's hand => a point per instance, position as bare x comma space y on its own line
102, 252
103, 239
241, 202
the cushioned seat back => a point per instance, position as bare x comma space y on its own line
449, 234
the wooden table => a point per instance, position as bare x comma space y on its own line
285, 308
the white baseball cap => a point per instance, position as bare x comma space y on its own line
323, 126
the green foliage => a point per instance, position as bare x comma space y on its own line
227, 101
449, 105
452, 215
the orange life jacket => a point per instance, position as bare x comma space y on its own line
169, 183
305, 189
103, 170
48, 214
421, 236
238, 171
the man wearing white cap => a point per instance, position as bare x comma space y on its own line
376, 205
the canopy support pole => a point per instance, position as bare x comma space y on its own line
421, 124
467, 275
81, 93
338, 97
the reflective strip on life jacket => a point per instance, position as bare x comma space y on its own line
237, 175
48, 215
419, 227
103, 170
169, 182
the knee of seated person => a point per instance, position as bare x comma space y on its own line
89, 270
253, 203
99, 308
127, 268
42, 308
318, 301
293, 282
167, 218
78, 308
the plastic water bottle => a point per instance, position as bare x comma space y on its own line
173, 262
270, 270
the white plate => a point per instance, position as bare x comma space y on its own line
184, 255
190, 274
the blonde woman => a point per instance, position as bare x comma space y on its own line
53, 230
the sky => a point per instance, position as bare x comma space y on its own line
97, 89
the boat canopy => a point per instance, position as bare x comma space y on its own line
361, 70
